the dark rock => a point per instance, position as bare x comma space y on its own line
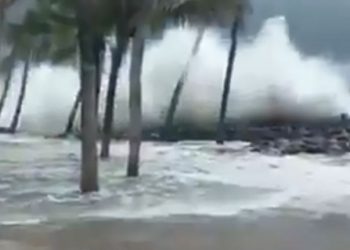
293, 147
304, 132
334, 147
267, 134
342, 136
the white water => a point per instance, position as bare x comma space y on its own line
267, 67
39, 179
39, 182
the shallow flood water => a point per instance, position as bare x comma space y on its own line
221, 193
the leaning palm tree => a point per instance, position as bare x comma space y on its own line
227, 83
7, 62
169, 120
63, 49
22, 93
24, 42
86, 19
201, 13
127, 14
237, 22
140, 19
122, 39
195, 11
8, 65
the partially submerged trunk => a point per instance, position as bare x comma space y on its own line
227, 83
88, 71
72, 115
22, 93
99, 62
169, 121
135, 103
117, 58
8, 79
99, 50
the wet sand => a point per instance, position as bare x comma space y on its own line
282, 232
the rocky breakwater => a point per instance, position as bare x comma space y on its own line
332, 137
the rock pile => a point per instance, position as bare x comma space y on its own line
333, 139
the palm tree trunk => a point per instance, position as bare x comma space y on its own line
18, 111
169, 121
135, 103
88, 71
99, 61
227, 83
7, 80
117, 57
2, 27
72, 115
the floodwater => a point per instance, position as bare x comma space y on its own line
190, 195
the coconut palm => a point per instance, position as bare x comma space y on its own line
85, 12
201, 13
22, 93
128, 14
118, 52
195, 11
23, 36
8, 63
8, 67
35, 35
85, 21
237, 22
227, 83
179, 86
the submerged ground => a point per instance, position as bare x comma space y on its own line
190, 195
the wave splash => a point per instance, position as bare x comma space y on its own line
269, 72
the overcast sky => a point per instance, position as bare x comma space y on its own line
316, 26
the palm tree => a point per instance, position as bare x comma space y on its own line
169, 121
196, 11
201, 13
8, 62
72, 115
128, 14
9, 65
83, 19
227, 83
88, 75
15, 119
22, 36
135, 102
117, 57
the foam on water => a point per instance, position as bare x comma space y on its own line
269, 71
40, 177
40, 182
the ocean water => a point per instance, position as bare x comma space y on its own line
269, 72
39, 180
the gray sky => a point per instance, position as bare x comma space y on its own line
317, 27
